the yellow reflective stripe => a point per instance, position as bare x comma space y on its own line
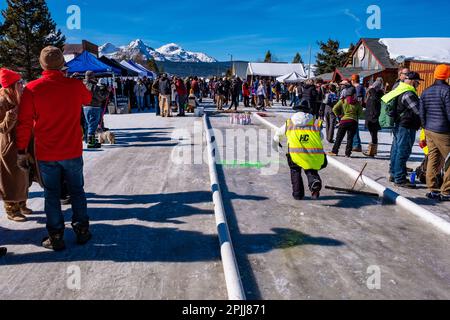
306, 150
304, 128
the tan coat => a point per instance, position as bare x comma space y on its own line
14, 182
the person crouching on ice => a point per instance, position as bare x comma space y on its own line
305, 150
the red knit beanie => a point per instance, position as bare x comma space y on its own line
8, 77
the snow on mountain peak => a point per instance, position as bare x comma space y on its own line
108, 48
168, 52
169, 48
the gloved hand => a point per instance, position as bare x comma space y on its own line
23, 161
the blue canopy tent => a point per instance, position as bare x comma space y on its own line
87, 62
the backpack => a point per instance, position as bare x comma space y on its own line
388, 114
332, 99
389, 103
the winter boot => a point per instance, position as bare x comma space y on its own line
372, 151
92, 143
24, 210
83, 234
316, 186
54, 241
3, 251
13, 212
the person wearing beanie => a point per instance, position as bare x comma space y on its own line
305, 150
50, 109
406, 125
435, 117
14, 182
350, 111
373, 111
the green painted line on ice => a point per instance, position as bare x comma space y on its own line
240, 164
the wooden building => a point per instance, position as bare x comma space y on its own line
73, 50
426, 71
372, 58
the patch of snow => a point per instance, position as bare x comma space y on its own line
420, 49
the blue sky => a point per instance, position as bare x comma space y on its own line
248, 28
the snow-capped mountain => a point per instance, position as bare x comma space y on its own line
168, 52
174, 52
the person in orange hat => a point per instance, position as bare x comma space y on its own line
435, 117
14, 182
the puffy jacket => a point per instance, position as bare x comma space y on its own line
51, 108
435, 107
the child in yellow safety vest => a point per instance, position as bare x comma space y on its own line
305, 151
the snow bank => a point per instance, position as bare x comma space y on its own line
420, 49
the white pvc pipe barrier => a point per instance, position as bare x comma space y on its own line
383, 191
232, 277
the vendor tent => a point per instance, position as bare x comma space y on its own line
141, 67
292, 77
125, 72
274, 69
88, 62
127, 65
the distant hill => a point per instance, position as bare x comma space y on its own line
186, 69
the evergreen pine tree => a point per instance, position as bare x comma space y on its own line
348, 55
26, 30
152, 66
298, 59
268, 57
329, 58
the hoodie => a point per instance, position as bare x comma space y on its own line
299, 119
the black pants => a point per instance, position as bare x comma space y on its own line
330, 122
373, 130
234, 102
348, 128
247, 101
314, 180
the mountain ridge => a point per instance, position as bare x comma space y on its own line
168, 52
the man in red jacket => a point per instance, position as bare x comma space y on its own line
51, 109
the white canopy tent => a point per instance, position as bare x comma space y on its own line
141, 73
292, 77
274, 69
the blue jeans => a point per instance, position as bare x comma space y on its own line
140, 102
357, 139
401, 151
52, 174
92, 116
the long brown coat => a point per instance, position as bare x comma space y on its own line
14, 182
